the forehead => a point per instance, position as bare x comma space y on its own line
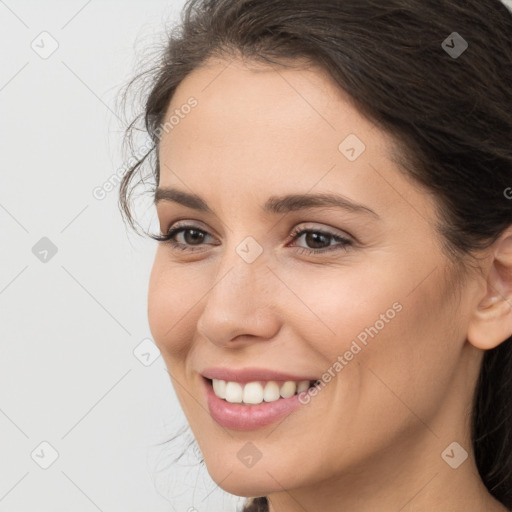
271, 116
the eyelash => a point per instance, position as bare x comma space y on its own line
296, 234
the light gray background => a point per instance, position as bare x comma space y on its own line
70, 325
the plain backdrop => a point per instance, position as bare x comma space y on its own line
84, 395
73, 280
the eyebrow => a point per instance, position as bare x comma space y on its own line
274, 204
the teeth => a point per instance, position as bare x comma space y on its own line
288, 389
271, 392
256, 392
219, 386
234, 392
302, 386
253, 393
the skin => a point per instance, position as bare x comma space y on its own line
373, 436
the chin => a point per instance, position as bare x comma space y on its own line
247, 483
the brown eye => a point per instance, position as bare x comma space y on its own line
195, 236
191, 236
318, 241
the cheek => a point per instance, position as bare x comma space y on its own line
413, 356
377, 320
336, 306
171, 301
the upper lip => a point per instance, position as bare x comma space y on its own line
251, 375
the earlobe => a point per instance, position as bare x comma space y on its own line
491, 321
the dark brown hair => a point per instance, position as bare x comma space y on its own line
450, 115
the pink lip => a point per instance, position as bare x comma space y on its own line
245, 375
248, 417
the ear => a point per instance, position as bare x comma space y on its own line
491, 321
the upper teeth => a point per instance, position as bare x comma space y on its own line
257, 392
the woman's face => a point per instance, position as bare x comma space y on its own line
373, 310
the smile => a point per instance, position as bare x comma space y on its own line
252, 398
254, 393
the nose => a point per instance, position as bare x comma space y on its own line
242, 304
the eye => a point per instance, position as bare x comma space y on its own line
319, 237
193, 236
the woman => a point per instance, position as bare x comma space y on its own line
332, 288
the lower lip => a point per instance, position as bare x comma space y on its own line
248, 417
